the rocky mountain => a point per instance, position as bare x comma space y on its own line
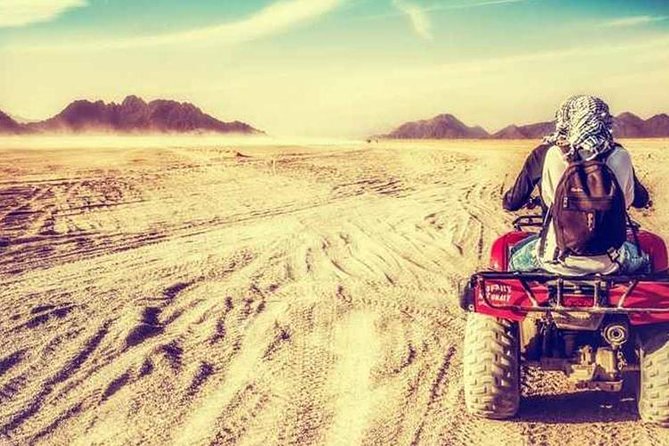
440, 127
657, 126
133, 115
626, 125
8, 125
21, 119
530, 131
510, 132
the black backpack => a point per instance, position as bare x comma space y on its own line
588, 210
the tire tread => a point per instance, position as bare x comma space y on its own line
654, 393
491, 367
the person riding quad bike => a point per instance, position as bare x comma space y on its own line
578, 289
583, 146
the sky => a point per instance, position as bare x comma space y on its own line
337, 68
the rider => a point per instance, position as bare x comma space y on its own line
530, 177
583, 125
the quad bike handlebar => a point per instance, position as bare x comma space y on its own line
533, 202
528, 221
532, 220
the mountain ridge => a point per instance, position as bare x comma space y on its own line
626, 125
9, 125
132, 115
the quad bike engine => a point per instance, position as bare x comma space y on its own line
590, 349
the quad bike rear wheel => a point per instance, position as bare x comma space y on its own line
653, 390
491, 367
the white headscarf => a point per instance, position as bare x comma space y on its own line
585, 124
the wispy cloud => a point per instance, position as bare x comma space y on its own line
15, 13
275, 18
641, 49
475, 4
419, 15
420, 21
633, 21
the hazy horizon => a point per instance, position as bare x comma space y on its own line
337, 68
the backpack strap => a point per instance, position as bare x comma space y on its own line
604, 157
544, 231
635, 230
565, 148
573, 156
569, 153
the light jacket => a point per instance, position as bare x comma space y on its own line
620, 163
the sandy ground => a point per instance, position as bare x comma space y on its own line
272, 295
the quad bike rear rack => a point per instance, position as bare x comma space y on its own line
595, 287
528, 221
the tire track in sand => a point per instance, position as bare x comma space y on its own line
371, 356
357, 348
198, 427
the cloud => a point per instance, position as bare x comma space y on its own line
473, 4
418, 17
633, 21
654, 49
15, 13
420, 20
273, 19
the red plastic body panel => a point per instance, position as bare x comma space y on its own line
511, 292
499, 253
506, 292
646, 294
654, 246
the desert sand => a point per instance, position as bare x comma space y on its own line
219, 293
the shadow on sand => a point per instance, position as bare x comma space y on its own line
580, 407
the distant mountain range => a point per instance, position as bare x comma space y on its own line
9, 125
440, 127
626, 125
133, 115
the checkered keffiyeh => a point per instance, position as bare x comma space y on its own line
584, 123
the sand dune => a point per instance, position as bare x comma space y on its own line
294, 295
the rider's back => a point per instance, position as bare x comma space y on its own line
555, 165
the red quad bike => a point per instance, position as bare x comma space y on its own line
596, 329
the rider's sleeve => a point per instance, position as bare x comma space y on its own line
621, 164
554, 167
641, 195
516, 197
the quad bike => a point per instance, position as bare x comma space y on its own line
597, 329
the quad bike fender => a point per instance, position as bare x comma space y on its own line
509, 296
654, 246
499, 253
651, 244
